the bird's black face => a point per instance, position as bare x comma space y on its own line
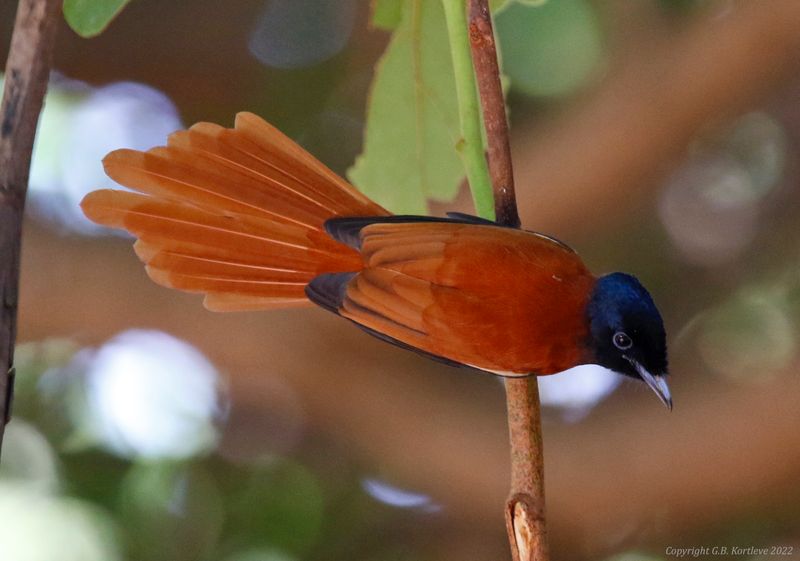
627, 333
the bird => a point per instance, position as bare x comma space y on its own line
250, 219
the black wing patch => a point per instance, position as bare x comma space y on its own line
347, 230
470, 219
329, 290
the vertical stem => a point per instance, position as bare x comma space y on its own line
470, 146
26, 75
487, 71
525, 508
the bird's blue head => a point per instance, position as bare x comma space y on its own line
627, 333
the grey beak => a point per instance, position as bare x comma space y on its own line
656, 382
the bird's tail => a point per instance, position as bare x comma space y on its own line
237, 214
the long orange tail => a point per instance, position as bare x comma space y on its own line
236, 214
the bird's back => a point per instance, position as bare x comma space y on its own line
494, 298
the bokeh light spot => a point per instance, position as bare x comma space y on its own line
748, 339
550, 49
79, 126
300, 33
698, 210
392, 495
152, 395
711, 206
28, 458
40, 527
577, 390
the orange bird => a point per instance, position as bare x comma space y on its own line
254, 222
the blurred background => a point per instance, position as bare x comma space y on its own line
657, 137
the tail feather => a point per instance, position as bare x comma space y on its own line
209, 283
277, 187
274, 143
259, 150
226, 302
237, 214
158, 220
232, 153
199, 265
180, 176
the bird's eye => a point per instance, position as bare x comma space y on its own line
622, 341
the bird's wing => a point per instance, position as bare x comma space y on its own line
477, 295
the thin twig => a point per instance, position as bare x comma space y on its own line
525, 512
26, 75
487, 71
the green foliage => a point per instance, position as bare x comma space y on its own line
88, 18
386, 14
471, 147
205, 507
280, 505
412, 120
549, 48
497, 5
422, 132
177, 510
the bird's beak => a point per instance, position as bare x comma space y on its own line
656, 382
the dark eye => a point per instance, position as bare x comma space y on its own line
622, 341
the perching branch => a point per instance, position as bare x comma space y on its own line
26, 75
525, 520
525, 512
525, 508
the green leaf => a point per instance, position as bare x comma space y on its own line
497, 5
386, 14
147, 503
88, 18
280, 505
412, 119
